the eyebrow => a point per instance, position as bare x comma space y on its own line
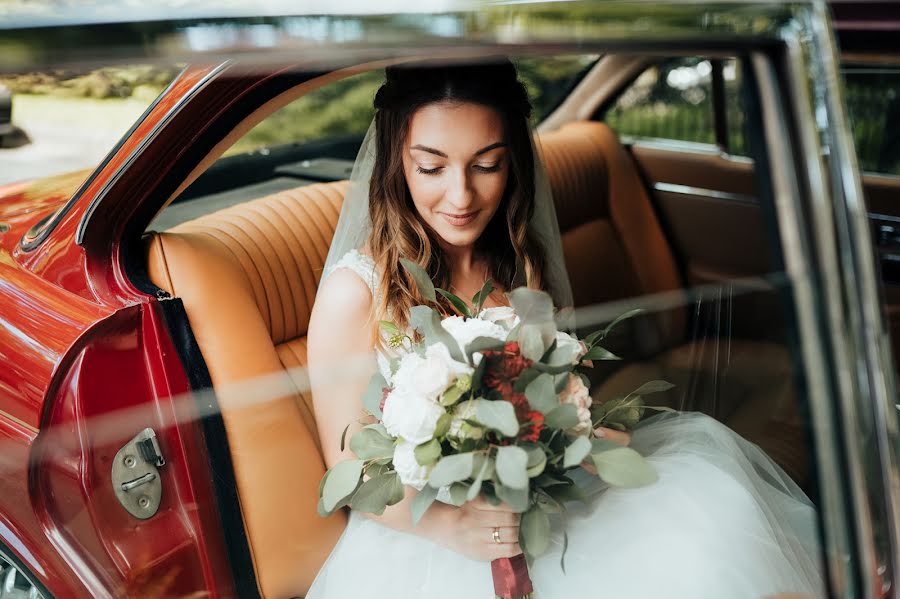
498, 144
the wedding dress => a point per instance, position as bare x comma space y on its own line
722, 522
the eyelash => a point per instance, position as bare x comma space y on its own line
482, 169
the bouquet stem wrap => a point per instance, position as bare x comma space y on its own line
511, 580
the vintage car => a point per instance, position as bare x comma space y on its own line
157, 437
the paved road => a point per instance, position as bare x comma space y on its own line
54, 150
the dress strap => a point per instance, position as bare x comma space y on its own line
359, 263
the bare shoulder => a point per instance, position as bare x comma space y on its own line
343, 309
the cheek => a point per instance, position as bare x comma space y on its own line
490, 188
426, 194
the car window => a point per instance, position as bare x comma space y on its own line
68, 120
873, 101
344, 108
678, 100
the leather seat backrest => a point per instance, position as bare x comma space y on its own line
247, 276
613, 243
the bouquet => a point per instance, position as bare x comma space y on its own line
493, 402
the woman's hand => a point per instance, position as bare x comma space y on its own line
601, 432
469, 530
610, 434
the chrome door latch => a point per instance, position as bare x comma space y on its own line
135, 477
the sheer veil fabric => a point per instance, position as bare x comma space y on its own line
354, 224
723, 520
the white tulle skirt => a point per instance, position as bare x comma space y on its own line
722, 522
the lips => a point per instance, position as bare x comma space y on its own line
459, 220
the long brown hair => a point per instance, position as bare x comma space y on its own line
513, 255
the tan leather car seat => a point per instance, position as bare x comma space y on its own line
247, 276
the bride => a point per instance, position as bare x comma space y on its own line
448, 177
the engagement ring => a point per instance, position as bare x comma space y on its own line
496, 534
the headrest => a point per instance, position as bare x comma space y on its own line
577, 171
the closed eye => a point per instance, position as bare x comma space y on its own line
493, 168
428, 171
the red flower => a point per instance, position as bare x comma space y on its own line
532, 432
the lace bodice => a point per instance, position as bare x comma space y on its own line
359, 263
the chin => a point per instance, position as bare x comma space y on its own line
457, 238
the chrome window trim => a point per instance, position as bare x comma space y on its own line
151, 136
36, 235
799, 253
684, 147
876, 368
712, 194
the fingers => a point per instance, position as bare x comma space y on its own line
610, 434
508, 535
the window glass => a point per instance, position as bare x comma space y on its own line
345, 107
873, 101
672, 100
66, 121
675, 100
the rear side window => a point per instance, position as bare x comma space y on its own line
696, 100
873, 101
344, 108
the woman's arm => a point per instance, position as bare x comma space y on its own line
340, 350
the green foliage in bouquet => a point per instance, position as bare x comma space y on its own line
511, 423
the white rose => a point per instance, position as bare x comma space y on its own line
466, 331
433, 375
439, 351
570, 345
405, 377
410, 471
505, 316
410, 415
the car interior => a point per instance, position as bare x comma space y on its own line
678, 221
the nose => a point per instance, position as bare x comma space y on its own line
460, 193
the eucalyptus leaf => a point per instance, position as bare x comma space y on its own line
512, 467
377, 493
541, 394
428, 453
457, 303
482, 344
458, 493
517, 499
534, 531
576, 452
619, 319
340, 482
564, 355
599, 353
531, 343
343, 439
562, 417
487, 465
498, 415
624, 467
547, 503
450, 469
524, 379
450, 396
443, 425
479, 298
537, 460
428, 322
566, 493
421, 502
651, 387
389, 327
374, 393
535, 308
420, 276
541, 367
370, 444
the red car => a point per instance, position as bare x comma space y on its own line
157, 437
